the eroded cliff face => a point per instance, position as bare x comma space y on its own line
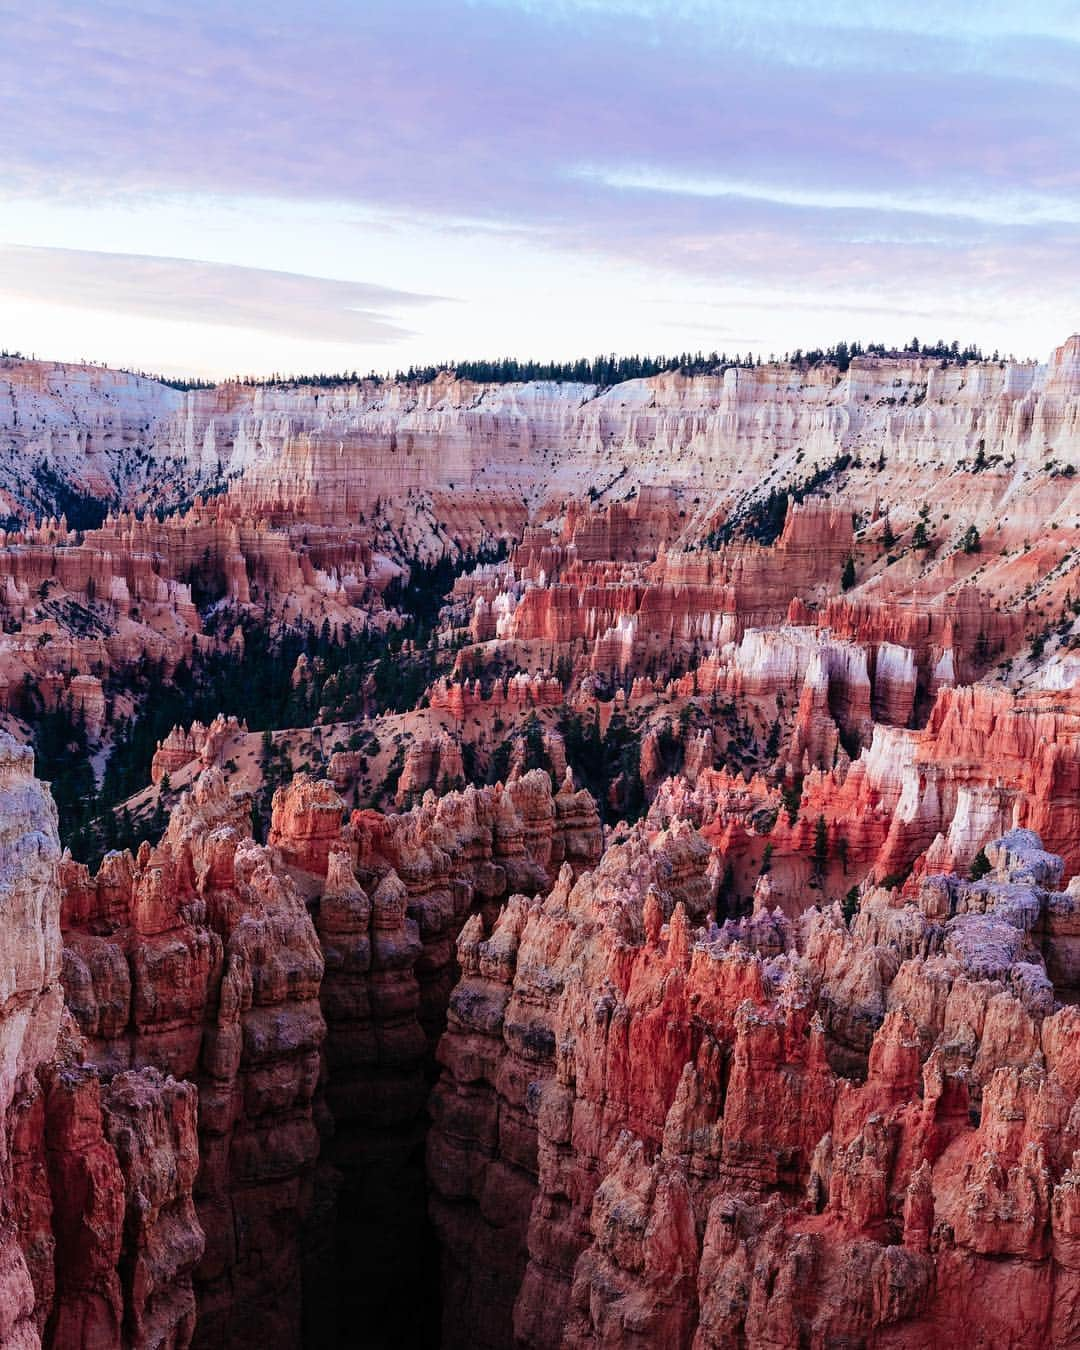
453, 445
99, 1235
397, 891
199, 956
650, 1131
501, 1051
217, 1057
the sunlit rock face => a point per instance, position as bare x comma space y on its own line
648, 1126
330, 453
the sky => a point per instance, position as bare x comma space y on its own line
220, 187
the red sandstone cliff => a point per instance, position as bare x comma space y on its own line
246, 1031
99, 1236
653, 1133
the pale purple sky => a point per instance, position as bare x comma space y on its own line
222, 187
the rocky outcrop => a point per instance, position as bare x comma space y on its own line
198, 742
434, 762
987, 760
469, 851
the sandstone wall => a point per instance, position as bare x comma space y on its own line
99, 1235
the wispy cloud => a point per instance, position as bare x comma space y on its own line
481, 111
191, 291
1013, 208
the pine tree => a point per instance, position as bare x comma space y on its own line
847, 576
980, 865
792, 798
772, 745
821, 851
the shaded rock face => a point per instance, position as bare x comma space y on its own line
649, 1131
390, 895
200, 955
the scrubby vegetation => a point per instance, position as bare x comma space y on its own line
59, 498
763, 520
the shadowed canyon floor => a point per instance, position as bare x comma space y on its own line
539, 865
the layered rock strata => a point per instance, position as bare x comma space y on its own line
335, 453
198, 955
210, 1039
99, 1235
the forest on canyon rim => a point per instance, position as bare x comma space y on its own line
542, 854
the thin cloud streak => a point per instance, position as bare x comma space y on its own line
190, 291
413, 105
1006, 210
